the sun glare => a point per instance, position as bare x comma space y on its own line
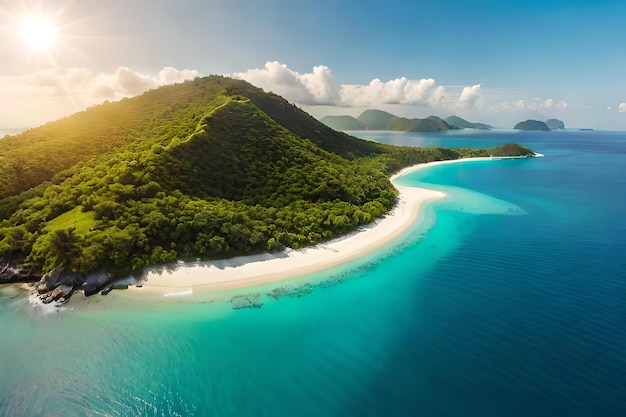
38, 33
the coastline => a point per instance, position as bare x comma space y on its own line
249, 271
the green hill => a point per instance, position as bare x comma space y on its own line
460, 123
342, 122
429, 124
555, 124
381, 120
532, 125
376, 119
206, 169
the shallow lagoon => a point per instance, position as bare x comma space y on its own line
510, 303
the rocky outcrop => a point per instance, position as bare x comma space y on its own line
10, 274
58, 285
58, 277
60, 294
95, 282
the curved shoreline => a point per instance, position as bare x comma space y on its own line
249, 271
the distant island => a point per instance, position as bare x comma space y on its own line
381, 120
550, 124
206, 169
555, 124
532, 125
460, 123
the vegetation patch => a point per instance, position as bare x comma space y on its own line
206, 169
76, 219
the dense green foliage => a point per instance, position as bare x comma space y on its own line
511, 149
206, 169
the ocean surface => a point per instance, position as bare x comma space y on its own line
508, 299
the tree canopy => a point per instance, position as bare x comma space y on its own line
206, 169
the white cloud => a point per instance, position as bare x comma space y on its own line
320, 87
50, 94
317, 87
535, 104
170, 75
622, 107
470, 97
422, 92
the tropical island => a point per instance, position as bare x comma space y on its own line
207, 169
382, 120
532, 125
555, 124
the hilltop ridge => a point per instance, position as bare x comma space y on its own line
206, 169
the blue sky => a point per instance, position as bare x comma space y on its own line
496, 62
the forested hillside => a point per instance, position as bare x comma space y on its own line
206, 169
381, 120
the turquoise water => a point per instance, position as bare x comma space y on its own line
512, 302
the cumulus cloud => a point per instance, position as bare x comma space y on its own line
535, 104
49, 94
622, 107
320, 87
317, 87
422, 92
470, 97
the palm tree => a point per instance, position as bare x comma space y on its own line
61, 245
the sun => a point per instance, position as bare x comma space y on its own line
38, 33
42, 33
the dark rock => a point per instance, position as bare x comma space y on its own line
89, 289
9, 274
57, 284
42, 288
95, 282
62, 292
114, 286
61, 276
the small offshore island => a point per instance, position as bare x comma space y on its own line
208, 169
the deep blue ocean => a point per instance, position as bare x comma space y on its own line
508, 299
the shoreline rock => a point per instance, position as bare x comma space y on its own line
58, 285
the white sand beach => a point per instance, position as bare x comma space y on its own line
254, 270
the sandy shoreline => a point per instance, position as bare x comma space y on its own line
255, 270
